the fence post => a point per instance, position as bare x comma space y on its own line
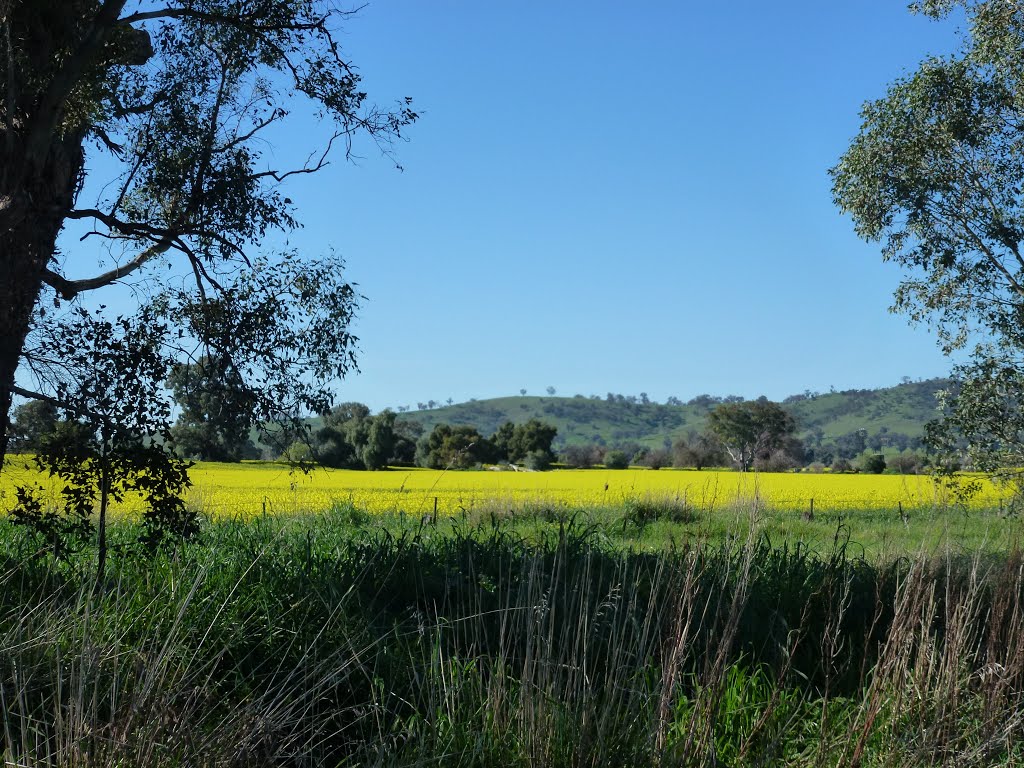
809, 514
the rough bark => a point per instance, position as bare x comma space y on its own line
47, 45
34, 215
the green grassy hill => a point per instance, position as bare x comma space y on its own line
902, 409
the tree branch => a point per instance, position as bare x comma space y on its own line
218, 18
71, 288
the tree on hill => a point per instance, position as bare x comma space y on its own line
751, 429
174, 102
935, 176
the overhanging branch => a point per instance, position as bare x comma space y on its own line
68, 289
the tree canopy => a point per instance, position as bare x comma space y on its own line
176, 104
936, 177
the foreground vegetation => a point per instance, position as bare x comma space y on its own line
333, 640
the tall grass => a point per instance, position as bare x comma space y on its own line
328, 641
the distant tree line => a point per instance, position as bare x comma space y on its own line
745, 434
757, 435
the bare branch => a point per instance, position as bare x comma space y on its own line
217, 18
71, 288
321, 163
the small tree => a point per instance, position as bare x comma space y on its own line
538, 461
657, 458
113, 443
580, 456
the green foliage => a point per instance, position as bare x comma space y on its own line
112, 440
334, 640
538, 461
380, 441
516, 442
351, 438
616, 460
873, 463
406, 433
458, 447
176, 105
935, 175
298, 452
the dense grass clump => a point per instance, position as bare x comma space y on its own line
333, 640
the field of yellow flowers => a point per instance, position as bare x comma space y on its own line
257, 488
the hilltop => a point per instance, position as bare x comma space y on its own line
895, 412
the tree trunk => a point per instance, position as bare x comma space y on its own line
32, 211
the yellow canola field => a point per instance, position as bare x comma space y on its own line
255, 488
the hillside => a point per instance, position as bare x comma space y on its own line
901, 410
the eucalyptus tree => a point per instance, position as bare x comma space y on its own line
751, 429
164, 111
936, 176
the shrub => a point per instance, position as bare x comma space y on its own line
657, 458
906, 463
538, 460
873, 463
841, 465
777, 461
616, 460
580, 456
298, 452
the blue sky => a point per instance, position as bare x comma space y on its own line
617, 197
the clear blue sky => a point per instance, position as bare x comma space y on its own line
617, 197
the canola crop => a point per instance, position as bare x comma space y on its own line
242, 490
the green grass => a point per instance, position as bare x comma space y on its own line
660, 524
345, 639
